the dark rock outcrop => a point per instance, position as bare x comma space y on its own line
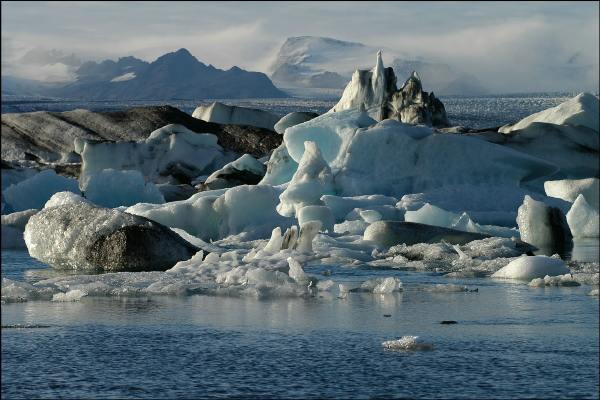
49, 136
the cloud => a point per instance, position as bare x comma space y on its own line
508, 45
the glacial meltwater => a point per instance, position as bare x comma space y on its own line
509, 340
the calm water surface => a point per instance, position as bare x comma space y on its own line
511, 341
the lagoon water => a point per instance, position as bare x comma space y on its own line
510, 341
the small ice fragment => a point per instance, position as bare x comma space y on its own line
407, 343
71, 295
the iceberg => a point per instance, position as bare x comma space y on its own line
293, 119
215, 214
13, 226
112, 188
570, 189
583, 219
531, 267
403, 159
280, 167
171, 153
224, 114
246, 170
566, 136
432, 215
34, 192
541, 225
580, 111
375, 92
317, 213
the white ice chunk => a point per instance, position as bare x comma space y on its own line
407, 343
13, 226
280, 167
297, 273
63, 198
293, 119
317, 213
34, 192
225, 114
71, 295
248, 210
312, 180
581, 110
570, 189
308, 231
536, 223
560, 280
170, 149
583, 219
531, 267
112, 188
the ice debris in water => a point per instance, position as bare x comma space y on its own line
407, 343
71, 295
447, 288
382, 285
560, 280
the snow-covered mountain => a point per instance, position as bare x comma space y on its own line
319, 62
176, 75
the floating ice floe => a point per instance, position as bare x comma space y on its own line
407, 343
225, 114
583, 219
531, 267
35, 191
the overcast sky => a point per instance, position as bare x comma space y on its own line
508, 43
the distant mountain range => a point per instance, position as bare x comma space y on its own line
178, 75
319, 62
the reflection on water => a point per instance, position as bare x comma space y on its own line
585, 250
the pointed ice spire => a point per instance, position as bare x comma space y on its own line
378, 70
416, 76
